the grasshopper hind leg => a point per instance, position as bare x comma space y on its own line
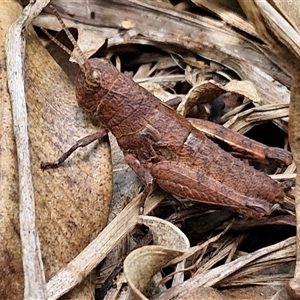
144, 175
180, 179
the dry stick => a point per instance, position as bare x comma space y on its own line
34, 277
97, 250
285, 42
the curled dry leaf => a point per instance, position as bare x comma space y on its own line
72, 202
165, 233
244, 88
200, 94
143, 263
207, 91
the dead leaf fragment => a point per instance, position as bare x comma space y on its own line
244, 88
165, 233
89, 41
207, 91
200, 94
143, 263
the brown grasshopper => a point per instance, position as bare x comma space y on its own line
161, 145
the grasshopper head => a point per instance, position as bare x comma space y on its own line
94, 81
95, 76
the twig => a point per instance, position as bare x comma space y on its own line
34, 278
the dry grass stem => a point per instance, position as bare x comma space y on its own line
34, 277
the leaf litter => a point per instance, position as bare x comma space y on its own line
217, 55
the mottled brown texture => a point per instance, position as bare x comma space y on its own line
166, 147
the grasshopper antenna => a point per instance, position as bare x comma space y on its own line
80, 58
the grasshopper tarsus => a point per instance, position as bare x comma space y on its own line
59, 162
44, 165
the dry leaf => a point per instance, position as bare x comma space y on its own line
244, 88
70, 212
200, 94
207, 91
157, 90
89, 41
165, 233
143, 263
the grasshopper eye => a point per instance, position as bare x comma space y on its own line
96, 75
92, 81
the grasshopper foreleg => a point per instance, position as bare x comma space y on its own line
79, 144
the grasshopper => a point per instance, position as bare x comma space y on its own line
162, 146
